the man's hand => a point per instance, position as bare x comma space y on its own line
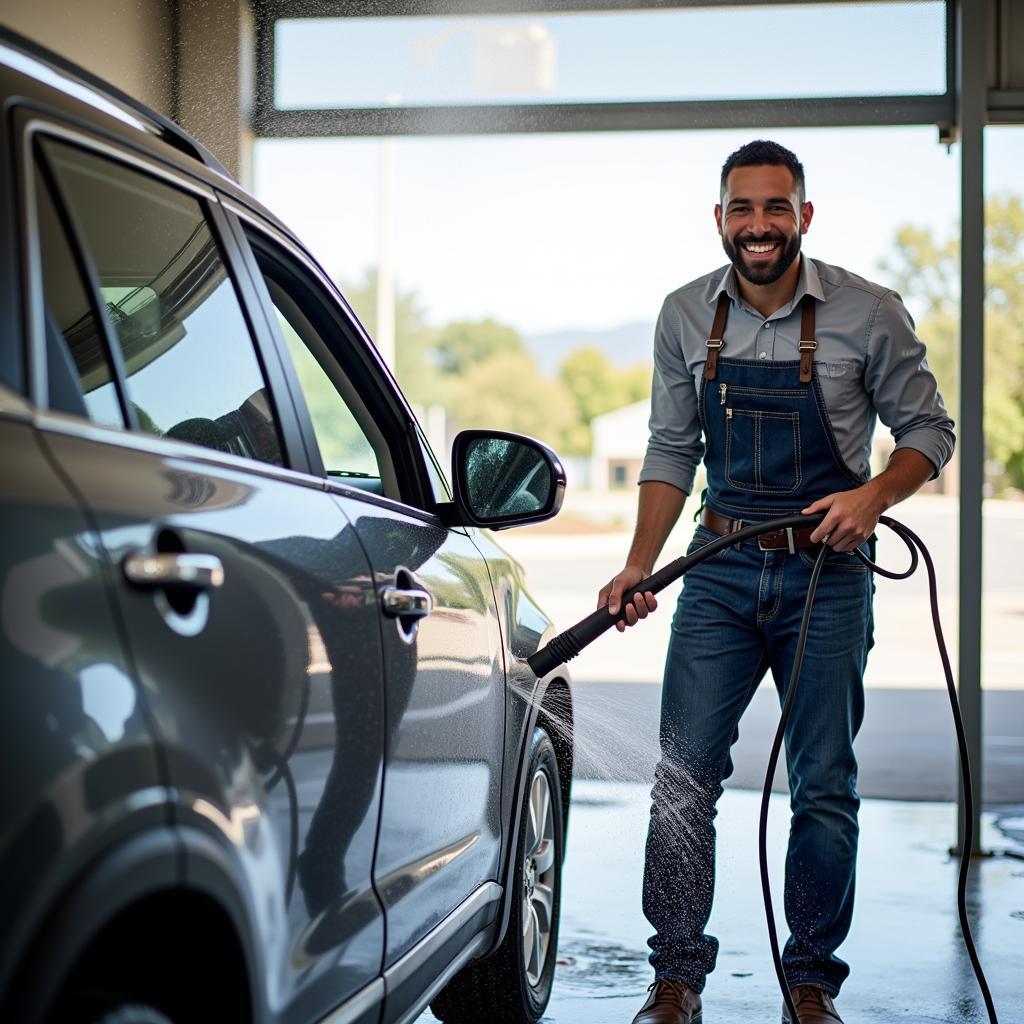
611, 596
851, 516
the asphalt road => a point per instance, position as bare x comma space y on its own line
906, 747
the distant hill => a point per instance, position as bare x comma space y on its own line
625, 345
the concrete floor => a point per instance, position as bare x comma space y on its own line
908, 961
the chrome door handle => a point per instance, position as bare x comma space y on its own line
412, 604
194, 571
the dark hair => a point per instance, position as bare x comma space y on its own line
760, 152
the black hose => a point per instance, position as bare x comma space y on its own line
568, 644
780, 732
773, 758
912, 540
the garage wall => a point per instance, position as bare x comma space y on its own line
129, 43
216, 78
190, 61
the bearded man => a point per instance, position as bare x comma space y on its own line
773, 371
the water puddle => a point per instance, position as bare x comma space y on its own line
601, 968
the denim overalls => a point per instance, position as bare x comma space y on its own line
770, 451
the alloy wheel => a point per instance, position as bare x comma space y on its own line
539, 878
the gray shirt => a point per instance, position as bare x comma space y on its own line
869, 362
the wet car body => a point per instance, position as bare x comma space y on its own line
286, 782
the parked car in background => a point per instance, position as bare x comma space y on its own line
272, 751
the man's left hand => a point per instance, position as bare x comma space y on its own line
851, 516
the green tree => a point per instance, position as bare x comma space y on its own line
927, 271
416, 365
508, 392
598, 387
465, 343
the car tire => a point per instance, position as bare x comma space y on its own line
513, 984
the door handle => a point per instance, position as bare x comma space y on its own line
188, 570
406, 604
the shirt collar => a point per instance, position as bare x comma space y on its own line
808, 283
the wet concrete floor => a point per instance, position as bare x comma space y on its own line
908, 961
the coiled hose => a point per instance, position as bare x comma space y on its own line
567, 645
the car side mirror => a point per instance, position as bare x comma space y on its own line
504, 479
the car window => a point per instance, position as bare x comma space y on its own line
80, 378
438, 481
344, 447
351, 443
191, 370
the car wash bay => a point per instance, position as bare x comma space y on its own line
905, 942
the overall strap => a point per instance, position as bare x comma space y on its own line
807, 342
717, 338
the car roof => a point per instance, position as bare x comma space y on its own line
26, 57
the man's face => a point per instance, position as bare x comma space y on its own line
761, 219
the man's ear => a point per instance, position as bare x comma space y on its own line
806, 213
718, 216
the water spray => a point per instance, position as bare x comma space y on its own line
567, 645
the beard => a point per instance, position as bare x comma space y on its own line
770, 273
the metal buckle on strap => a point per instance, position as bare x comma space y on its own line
790, 540
808, 345
715, 343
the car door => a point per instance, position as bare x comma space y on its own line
440, 833
245, 594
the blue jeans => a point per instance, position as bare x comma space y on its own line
739, 616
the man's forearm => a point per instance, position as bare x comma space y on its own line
851, 516
908, 470
657, 512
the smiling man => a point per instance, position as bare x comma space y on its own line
773, 371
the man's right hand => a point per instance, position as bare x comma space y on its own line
611, 596
657, 511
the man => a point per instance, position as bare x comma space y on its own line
773, 370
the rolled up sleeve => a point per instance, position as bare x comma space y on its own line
675, 448
903, 388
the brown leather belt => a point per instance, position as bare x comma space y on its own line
779, 540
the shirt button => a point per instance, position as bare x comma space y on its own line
765, 325
762, 355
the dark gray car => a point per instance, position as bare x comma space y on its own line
271, 748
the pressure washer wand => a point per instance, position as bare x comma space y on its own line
567, 645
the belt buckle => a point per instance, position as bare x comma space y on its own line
790, 543
737, 525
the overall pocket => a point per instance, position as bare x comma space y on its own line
762, 451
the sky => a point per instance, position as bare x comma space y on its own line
579, 230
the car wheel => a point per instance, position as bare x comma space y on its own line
513, 985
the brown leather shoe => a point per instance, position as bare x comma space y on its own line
670, 1002
813, 1006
